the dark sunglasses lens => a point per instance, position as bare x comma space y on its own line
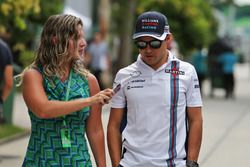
141, 44
155, 44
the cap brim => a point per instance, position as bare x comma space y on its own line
156, 36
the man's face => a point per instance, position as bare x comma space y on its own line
152, 56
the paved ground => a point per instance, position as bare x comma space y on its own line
226, 128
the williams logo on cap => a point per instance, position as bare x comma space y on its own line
152, 24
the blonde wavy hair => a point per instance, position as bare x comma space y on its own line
52, 53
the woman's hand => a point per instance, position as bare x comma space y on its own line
103, 96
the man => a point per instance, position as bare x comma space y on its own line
228, 59
6, 75
160, 99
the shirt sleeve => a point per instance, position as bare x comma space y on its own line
6, 52
193, 91
119, 99
9, 56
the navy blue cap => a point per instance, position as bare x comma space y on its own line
152, 24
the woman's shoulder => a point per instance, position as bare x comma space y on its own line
91, 78
32, 76
93, 84
32, 72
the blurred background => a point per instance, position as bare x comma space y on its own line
193, 23
208, 27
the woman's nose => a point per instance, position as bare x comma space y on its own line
83, 42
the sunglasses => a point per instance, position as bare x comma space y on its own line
155, 44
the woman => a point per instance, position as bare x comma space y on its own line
64, 99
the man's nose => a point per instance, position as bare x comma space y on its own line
148, 48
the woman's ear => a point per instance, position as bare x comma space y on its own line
54, 40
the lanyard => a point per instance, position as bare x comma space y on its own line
67, 94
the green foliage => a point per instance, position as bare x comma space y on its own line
118, 8
48, 8
191, 21
243, 11
7, 130
14, 12
27, 57
22, 19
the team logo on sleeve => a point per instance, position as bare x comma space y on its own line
196, 80
134, 87
196, 86
196, 83
117, 88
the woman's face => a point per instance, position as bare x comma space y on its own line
80, 44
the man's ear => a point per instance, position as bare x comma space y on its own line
169, 39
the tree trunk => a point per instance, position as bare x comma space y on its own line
125, 35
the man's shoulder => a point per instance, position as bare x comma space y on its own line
2, 43
129, 68
5, 51
127, 71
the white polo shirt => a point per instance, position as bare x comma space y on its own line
156, 101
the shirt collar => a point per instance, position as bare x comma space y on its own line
146, 67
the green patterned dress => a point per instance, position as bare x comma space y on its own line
45, 147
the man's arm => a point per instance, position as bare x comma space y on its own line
114, 135
8, 81
195, 132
